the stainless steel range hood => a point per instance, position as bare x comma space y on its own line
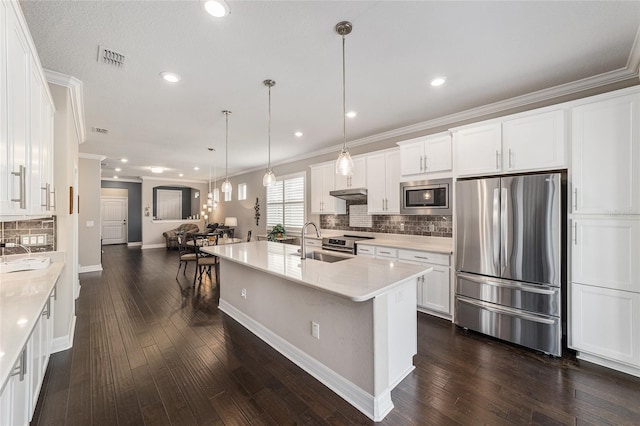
350, 194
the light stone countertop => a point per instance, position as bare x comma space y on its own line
23, 295
358, 278
409, 242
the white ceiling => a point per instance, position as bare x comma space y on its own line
488, 51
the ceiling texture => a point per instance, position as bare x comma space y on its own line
488, 51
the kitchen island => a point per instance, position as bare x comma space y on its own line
350, 324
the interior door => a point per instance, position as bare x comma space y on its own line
478, 235
114, 220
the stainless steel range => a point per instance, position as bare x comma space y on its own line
344, 244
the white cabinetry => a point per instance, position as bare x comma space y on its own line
518, 143
26, 121
359, 177
323, 180
423, 156
605, 166
606, 323
383, 182
434, 288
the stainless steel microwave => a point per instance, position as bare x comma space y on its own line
426, 197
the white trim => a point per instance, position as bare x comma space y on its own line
62, 343
374, 407
88, 156
89, 268
134, 180
171, 179
135, 244
78, 288
77, 99
154, 246
634, 371
633, 63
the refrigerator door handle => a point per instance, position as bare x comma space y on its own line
504, 231
496, 228
506, 311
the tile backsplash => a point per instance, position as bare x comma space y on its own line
10, 232
432, 226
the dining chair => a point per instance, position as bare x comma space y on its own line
186, 254
205, 261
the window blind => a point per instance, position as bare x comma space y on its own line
285, 203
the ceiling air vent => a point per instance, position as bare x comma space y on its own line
110, 57
100, 130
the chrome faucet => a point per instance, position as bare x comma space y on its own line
303, 250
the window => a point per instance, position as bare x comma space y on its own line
227, 196
242, 191
285, 202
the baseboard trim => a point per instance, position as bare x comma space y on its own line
90, 268
634, 371
153, 246
374, 407
135, 244
63, 343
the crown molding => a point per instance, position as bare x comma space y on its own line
133, 180
633, 63
77, 99
153, 178
88, 156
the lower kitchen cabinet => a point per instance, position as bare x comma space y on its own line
434, 290
605, 323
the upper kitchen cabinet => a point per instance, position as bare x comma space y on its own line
477, 149
605, 164
534, 142
425, 156
323, 180
521, 143
26, 121
359, 177
383, 182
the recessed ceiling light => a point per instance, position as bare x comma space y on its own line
351, 114
196, 168
156, 169
124, 160
115, 177
217, 8
439, 81
118, 169
181, 174
170, 77
298, 134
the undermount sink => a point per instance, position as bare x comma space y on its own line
324, 257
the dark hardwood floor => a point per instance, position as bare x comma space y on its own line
146, 352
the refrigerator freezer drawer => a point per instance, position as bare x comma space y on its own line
533, 331
534, 298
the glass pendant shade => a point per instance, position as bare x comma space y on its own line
344, 164
269, 178
226, 186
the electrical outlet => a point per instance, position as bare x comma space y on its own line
315, 330
243, 293
402, 226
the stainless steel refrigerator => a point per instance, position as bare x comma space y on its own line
509, 267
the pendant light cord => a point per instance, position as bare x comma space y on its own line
344, 98
269, 155
226, 146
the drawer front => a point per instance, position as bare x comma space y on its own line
365, 250
534, 331
386, 252
424, 257
528, 297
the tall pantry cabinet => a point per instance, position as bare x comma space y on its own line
604, 237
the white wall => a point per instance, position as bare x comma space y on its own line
89, 231
66, 168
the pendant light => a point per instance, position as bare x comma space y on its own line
269, 178
212, 201
344, 164
226, 185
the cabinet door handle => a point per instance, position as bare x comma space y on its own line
21, 368
46, 195
575, 199
510, 166
575, 233
52, 201
497, 160
22, 175
425, 163
421, 257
